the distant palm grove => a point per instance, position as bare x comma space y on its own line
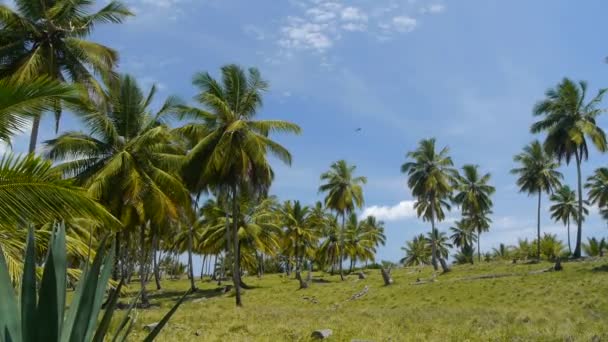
158, 186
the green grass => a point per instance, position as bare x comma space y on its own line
571, 305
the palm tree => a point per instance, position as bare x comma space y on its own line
330, 248
565, 207
48, 38
480, 222
462, 234
416, 252
128, 160
441, 241
31, 190
537, 173
474, 198
597, 186
374, 233
19, 102
503, 252
300, 236
431, 176
551, 246
259, 229
344, 194
228, 147
473, 190
463, 237
569, 122
362, 238
595, 247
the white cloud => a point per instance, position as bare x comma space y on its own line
403, 210
320, 24
353, 14
436, 8
300, 34
433, 9
404, 24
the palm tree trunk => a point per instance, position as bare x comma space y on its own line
342, 247
213, 271
538, 226
142, 260
433, 242
478, 247
34, 134
203, 266
295, 252
579, 231
235, 236
190, 264
117, 274
568, 227
154, 260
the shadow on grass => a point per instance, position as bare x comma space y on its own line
175, 294
603, 268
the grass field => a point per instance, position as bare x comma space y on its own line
571, 305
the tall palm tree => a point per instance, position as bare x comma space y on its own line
128, 160
344, 194
597, 186
473, 191
431, 176
565, 207
569, 122
229, 147
537, 173
374, 232
416, 252
463, 237
473, 196
48, 38
441, 241
299, 234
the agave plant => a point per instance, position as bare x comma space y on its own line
41, 315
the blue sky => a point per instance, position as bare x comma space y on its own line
465, 72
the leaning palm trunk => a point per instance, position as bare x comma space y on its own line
190, 264
154, 259
341, 256
568, 228
34, 134
235, 237
478, 247
142, 269
579, 231
538, 227
203, 264
433, 242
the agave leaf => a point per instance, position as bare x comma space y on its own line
128, 331
87, 299
103, 326
152, 335
9, 321
28, 290
70, 316
102, 284
49, 315
127, 319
